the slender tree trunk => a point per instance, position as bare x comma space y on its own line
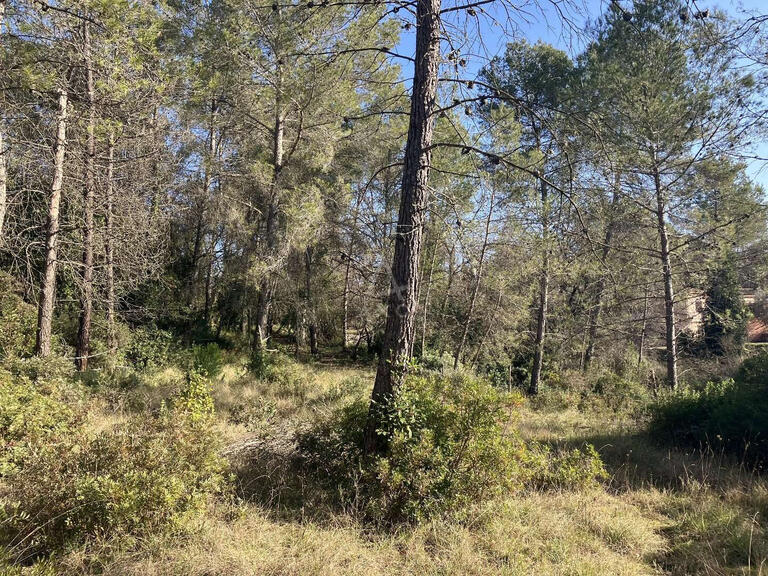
541, 321
597, 309
83, 348
347, 272
311, 315
402, 304
48, 289
641, 347
3, 169
425, 312
3, 179
267, 283
669, 296
200, 231
110, 245
476, 286
487, 330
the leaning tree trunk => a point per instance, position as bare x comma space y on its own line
110, 245
83, 348
541, 320
597, 309
402, 304
669, 296
48, 289
475, 287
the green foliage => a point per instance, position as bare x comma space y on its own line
147, 474
727, 414
149, 347
17, 321
449, 448
31, 415
207, 359
725, 324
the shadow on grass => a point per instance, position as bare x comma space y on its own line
636, 460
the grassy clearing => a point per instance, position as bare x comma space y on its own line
661, 512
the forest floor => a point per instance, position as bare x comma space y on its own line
661, 512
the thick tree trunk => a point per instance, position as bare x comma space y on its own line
597, 308
541, 320
476, 286
669, 296
110, 245
402, 304
48, 289
83, 348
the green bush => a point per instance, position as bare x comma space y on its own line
150, 473
449, 447
31, 415
728, 414
149, 346
18, 320
207, 359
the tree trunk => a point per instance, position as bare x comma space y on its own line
110, 246
200, 231
669, 296
476, 286
426, 297
347, 272
3, 169
311, 317
641, 347
83, 347
48, 290
402, 304
267, 283
597, 309
541, 321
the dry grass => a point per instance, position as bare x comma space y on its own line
662, 512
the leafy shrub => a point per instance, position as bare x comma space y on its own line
148, 474
149, 347
728, 414
448, 448
207, 359
17, 320
31, 415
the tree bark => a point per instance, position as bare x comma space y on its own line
48, 289
541, 320
476, 286
110, 245
402, 304
83, 348
669, 296
597, 309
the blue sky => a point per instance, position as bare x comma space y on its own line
488, 37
